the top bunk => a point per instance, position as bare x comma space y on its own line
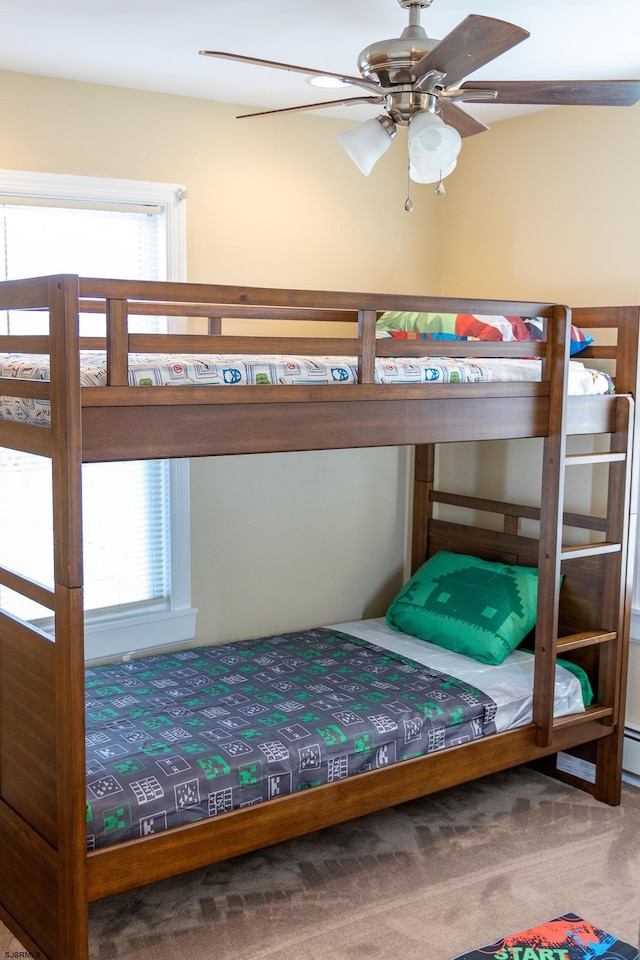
83, 363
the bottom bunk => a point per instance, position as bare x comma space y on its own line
368, 678
301, 735
221, 750
174, 738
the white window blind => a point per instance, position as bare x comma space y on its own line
100, 241
132, 544
103, 241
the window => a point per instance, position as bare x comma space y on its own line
135, 515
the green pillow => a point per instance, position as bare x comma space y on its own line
476, 607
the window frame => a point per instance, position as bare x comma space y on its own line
634, 626
108, 636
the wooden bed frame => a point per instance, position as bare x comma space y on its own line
46, 876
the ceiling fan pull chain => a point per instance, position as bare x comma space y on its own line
408, 204
440, 190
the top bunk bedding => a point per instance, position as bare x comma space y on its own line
219, 370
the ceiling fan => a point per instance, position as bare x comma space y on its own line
418, 80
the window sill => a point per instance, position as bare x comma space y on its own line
136, 634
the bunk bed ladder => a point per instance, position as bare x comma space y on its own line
605, 643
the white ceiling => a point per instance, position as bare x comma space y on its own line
153, 44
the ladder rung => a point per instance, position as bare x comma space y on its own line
589, 550
586, 639
574, 459
595, 712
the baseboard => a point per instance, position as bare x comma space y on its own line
631, 750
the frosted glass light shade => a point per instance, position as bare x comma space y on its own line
366, 144
433, 148
433, 175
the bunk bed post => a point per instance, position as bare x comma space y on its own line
551, 512
424, 476
610, 749
367, 356
117, 343
72, 940
609, 761
613, 656
43, 870
627, 372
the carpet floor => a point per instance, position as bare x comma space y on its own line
426, 880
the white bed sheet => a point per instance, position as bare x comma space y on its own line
510, 685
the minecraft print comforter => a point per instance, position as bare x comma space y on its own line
178, 737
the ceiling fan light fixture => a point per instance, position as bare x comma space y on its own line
328, 82
433, 148
431, 175
366, 143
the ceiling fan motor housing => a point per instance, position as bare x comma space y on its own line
390, 61
402, 105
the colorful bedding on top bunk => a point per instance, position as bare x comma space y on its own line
468, 326
175, 738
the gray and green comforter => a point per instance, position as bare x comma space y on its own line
175, 738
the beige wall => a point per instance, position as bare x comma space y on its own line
555, 209
297, 540
272, 202
292, 540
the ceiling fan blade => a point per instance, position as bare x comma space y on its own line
474, 42
314, 106
466, 125
256, 61
595, 93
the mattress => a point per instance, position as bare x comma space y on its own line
169, 370
174, 738
510, 685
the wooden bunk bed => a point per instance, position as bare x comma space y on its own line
46, 876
